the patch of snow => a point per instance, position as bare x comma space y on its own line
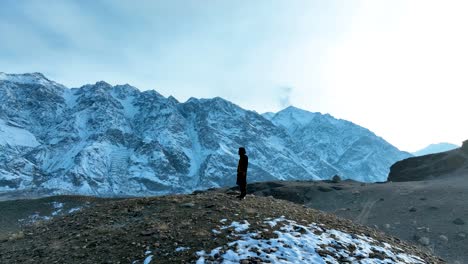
292, 117
57, 205
238, 227
75, 209
273, 222
58, 208
201, 259
148, 259
130, 110
70, 97
34, 218
225, 149
16, 136
27, 78
297, 243
195, 152
179, 249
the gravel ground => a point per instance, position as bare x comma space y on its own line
173, 228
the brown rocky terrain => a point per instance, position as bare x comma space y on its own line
432, 213
424, 201
172, 229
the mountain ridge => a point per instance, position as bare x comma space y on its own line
452, 163
116, 140
435, 148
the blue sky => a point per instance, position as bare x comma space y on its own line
395, 67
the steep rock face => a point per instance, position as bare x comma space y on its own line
353, 151
433, 166
115, 140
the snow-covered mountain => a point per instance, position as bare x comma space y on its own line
353, 151
435, 148
116, 140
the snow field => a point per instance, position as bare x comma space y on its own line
297, 243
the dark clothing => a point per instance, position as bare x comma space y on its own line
242, 169
243, 190
242, 174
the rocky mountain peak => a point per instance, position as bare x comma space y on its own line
110, 140
173, 99
35, 82
125, 88
102, 85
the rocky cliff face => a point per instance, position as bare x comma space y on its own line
115, 140
434, 166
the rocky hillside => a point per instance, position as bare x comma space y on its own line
203, 228
116, 140
434, 166
433, 214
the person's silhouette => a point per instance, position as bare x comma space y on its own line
242, 172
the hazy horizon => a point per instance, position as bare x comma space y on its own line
395, 67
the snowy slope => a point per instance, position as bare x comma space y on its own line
115, 140
12, 135
296, 243
435, 148
353, 151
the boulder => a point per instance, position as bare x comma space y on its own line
336, 179
443, 238
425, 241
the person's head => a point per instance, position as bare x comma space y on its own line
242, 151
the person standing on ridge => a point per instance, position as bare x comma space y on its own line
242, 172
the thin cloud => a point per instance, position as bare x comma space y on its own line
285, 96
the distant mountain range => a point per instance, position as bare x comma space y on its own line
435, 148
116, 140
435, 166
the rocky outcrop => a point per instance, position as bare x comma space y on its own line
432, 166
464, 147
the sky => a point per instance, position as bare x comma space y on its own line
396, 67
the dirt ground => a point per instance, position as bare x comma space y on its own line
121, 231
433, 213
